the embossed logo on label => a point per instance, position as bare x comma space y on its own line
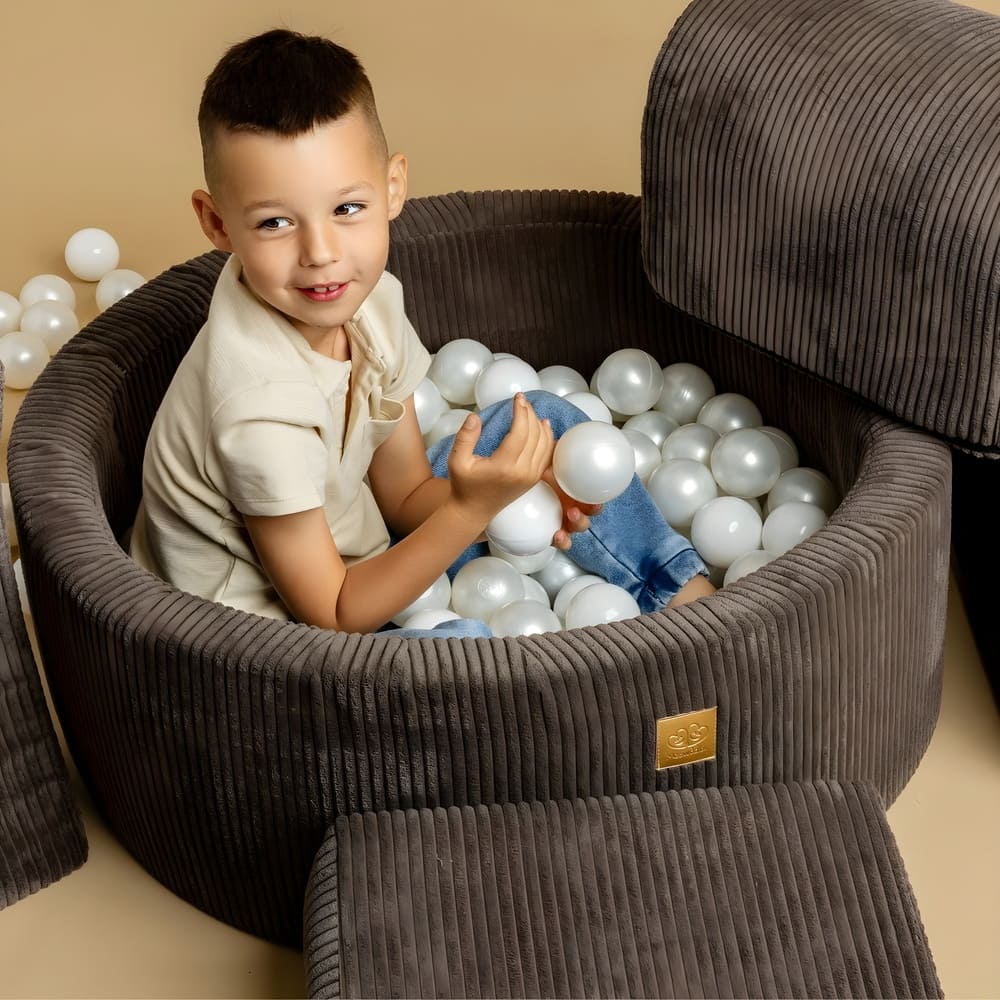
684, 739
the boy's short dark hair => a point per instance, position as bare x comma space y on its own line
284, 83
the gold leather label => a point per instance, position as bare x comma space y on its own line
684, 739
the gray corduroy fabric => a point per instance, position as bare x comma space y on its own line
221, 746
41, 830
757, 891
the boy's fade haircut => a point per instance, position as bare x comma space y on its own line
284, 83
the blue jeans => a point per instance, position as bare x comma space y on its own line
628, 543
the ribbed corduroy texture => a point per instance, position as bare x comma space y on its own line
221, 746
760, 891
823, 180
41, 830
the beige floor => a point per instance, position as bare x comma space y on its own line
98, 102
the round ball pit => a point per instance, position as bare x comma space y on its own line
220, 745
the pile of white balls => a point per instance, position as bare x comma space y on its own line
42, 318
730, 485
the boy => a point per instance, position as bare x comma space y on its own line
288, 441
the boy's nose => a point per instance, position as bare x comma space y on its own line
320, 246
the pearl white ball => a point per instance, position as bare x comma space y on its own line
745, 463
561, 380
431, 617
746, 564
437, 595
527, 524
115, 285
534, 591
23, 356
592, 405
570, 589
655, 425
599, 604
593, 462
91, 254
647, 455
502, 379
725, 529
523, 618
805, 484
557, 572
629, 381
790, 523
679, 488
530, 563
445, 425
10, 313
47, 286
729, 412
686, 389
455, 368
428, 403
53, 321
694, 441
484, 585
788, 453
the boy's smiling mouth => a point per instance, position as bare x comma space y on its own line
324, 293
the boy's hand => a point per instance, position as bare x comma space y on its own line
576, 515
484, 485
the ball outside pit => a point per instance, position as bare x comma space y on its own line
686, 389
446, 424
524, 617
455, 368
725, 529
599, 604
91, 254
629, 381
561, 380
647, 455
502, 379
557, 572
428, 403
437, 595
593, 406
526, 525
47, 286
484, 585
115, 285
593, 462
428, 618
680, 488
788, 452
53, 321
729, 411
23, 356
531, 563
10, 313
805, 484
746, 564
655, 425
694, 441
791, 523
745, 463
570, 589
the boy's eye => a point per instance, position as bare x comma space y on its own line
272, 224
349, 209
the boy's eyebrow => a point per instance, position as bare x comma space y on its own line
342, 193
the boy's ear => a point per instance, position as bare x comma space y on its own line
397, 184
210, 220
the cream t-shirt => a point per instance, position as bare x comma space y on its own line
256, 422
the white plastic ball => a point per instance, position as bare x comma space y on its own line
445, 425
593, 462
10, 313
91, 254
484, 585
629, 381
53, 321
437, 595
790, 523
746, 564
523, 618
534, 591
570, 589
647, 455
694, 441
530, 563
805, 484
23, 356
428, 403
557, 572
655, 425
592, 405
725, 529
502, 379
455, 368
115, 285
788, 452
686, 389
561, 380
600, 604
526, 525
745, 463
47, 286
680, 488
431, 617
500, 355
729, 412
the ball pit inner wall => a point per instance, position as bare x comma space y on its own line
220, 746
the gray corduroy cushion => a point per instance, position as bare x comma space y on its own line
757, 891
41, 831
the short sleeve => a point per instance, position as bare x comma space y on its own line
265, 450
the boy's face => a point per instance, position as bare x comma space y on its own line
308, 218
